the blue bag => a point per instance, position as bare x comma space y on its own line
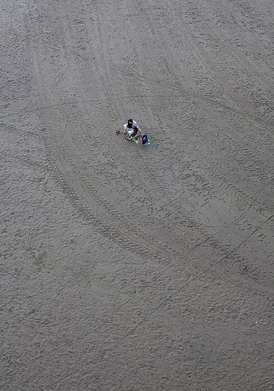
145, 139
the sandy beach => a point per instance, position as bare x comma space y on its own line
137, 268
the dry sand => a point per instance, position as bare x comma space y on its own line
126, 268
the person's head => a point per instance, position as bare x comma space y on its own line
129, 123
135, 131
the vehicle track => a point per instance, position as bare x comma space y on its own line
87, 133
155, 115
202, 202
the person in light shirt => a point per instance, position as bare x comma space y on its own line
131, 127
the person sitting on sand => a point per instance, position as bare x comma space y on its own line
135, 134
130, 126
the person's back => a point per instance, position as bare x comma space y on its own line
130, 126
135, 134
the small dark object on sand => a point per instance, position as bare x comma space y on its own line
118, 132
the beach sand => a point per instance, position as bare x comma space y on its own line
126, 267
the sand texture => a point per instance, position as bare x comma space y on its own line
126, 267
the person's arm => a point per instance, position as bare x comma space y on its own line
136, 135
125, 128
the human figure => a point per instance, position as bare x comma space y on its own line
130, 126
135, 134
